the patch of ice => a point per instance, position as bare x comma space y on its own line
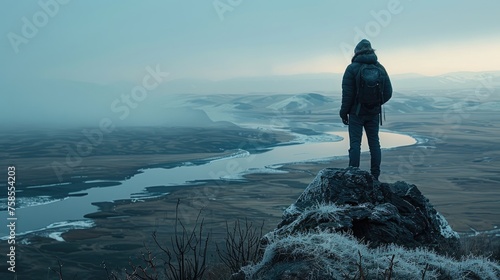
48, 186
264, 170
140, 197
74, 224
232, 177
98, 181
63, 227
321, 138
25, 202
55, 230
57, 236
426, 147
25, 241
238, 154
267, 170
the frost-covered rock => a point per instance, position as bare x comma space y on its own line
323, 235
349, 200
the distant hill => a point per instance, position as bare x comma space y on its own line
301, 102
325, 82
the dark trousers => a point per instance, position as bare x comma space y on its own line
371, 125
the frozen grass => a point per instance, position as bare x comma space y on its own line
341, 256
319, 212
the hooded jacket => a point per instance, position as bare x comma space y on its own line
363, 54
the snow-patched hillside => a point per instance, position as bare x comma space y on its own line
301, 102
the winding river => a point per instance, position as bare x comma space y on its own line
58, 216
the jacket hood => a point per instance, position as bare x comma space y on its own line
363, 45
364, 53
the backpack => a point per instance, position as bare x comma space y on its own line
369, 85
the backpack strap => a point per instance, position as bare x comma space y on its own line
358, 84
381, 90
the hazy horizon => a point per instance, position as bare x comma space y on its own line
64, 59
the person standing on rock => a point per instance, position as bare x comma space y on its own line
365, 88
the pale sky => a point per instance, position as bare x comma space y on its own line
113, 41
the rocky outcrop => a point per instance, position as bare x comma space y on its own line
346, 224
349, 200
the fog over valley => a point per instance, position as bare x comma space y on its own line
62, 103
